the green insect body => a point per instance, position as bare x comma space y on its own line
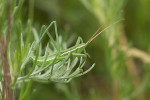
75, 51
60, 66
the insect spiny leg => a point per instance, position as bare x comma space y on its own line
57, 38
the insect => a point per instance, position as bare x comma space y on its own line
60, 66
74, 51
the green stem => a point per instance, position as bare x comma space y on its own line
31, 10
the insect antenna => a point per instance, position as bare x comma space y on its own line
104, 24
97, 31
97, 34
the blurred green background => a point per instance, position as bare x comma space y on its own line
116, 75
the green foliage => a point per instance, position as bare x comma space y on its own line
61, 71
113, 77
23, 71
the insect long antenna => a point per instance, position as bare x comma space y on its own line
96, 35
103, 25
97, 31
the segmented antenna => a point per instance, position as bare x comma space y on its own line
97, 34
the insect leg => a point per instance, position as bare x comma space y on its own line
55, 26
79, 40
57, 38
44, 32
52, 41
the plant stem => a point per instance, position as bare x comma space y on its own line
131, 66
115, 90
31, 10
7, 93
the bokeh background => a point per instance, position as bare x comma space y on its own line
121, 53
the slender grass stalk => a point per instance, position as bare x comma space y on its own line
31, 10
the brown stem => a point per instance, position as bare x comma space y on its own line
9, 21
7, 92
6, 78
115, 90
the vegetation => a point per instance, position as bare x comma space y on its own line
35, 63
